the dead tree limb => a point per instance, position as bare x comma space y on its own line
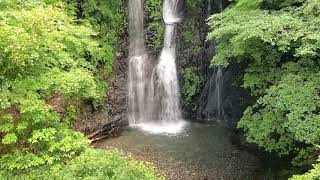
111, 129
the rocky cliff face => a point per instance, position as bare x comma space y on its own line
117, 94
115, 107
195, 52
191, 53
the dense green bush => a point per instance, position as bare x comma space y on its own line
49, 63
280, 43
91, 164
107, 18
95, 164
42, 53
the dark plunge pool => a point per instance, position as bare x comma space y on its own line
198, 151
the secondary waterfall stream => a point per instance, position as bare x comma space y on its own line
219, 81
154, 101
211, 99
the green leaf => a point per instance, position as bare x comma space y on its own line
10, 138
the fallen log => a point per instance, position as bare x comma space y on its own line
111, 129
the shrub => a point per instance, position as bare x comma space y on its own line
44, 53
313, 174
279, 41
91, 164
192, 84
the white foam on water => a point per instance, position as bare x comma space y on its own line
162, 128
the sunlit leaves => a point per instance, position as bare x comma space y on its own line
33, 40
9, 138
43, 52
279, 42
107, 18
91, 164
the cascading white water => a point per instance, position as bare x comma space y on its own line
170, 12
164, 94
164, 78
137, 63
154, 107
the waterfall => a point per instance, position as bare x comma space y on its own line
137, 63
211, 99
218, 93
153, 102
165, 85
219, 81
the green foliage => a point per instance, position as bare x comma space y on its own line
50, 146
280, 43
192, 84
42, 52
91, 164
191, 47
34, 40
9, 138
107, 18
154, 28
95, 164
45, 53
187, 36
193, 6
289, 110
313, 174
193, 10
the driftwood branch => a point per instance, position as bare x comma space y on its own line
111, 129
